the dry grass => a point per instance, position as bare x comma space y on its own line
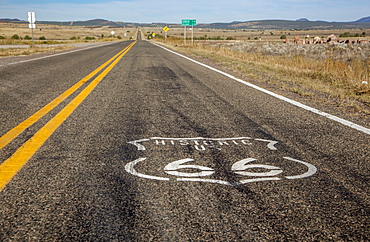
55, 35
248, 35
340, 72
63, 33
5, 52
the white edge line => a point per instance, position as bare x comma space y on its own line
44, 57
298, 104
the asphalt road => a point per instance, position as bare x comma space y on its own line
163, 149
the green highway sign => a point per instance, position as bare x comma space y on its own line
189, 22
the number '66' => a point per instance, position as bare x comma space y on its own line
239, 167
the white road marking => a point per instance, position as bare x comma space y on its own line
271, 143
298, 104
215, 143
176, 165
240, 167
311, 169
130, 169
137, 144
205, 180
257, 180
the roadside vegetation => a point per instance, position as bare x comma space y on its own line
53, 38
42, 45
321, 72
6, 52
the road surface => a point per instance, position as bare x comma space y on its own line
130, 142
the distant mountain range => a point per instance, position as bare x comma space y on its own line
302, 23
363, 20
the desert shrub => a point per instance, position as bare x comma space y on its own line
345, 34
27, 37
16, 37
89, 38
283, 36
2, 37
348, 34
42, 38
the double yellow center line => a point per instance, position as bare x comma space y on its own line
10, 167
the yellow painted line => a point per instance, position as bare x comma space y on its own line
10, 167
13, 133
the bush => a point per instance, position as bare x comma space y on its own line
42, 38
283, 36
348, 34
27, 37
73, 38
89, 38
15, 36
2, 37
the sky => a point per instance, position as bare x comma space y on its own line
173, 11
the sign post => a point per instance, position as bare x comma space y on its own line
32, 25
192, 23
165, 29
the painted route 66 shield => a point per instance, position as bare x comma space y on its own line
226, 161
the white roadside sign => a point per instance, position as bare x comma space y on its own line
32, 20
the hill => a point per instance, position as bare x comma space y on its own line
363, 20
302, 23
